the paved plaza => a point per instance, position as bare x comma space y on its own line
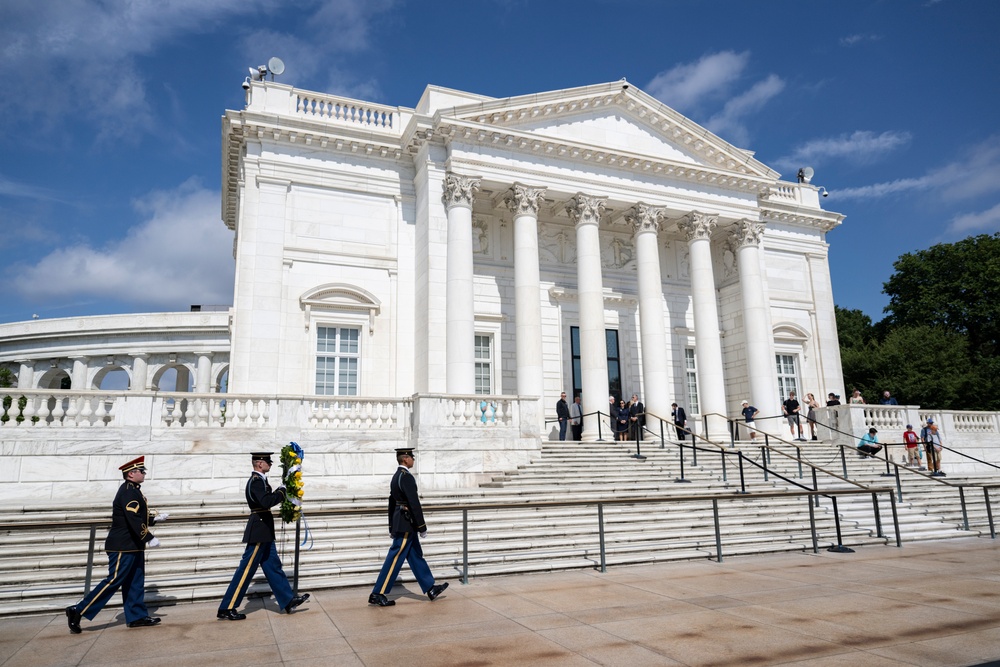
933, 603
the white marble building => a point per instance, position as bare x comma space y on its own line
590, 240
436, 276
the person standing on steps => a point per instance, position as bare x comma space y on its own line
126, 546
932, 443
811, 404
562, 414
637, 417
680, 421
576, 419
749, 413
791, 409
406, 520
260, 550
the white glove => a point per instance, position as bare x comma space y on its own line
423, 534
155, 542
162, 516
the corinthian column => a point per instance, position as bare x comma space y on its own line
459, 192
586, 212
523, 202
746, 236
653, 341
698, 228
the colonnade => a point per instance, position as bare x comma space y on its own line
646, 221
141, 368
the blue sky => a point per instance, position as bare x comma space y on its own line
110, 158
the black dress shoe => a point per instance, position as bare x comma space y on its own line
147, 622
295, 602
73, 618
230, 615
436, 591
380, 600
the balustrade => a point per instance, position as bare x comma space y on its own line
345, 110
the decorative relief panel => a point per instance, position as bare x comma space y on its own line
556, 245
481, 236
617, 253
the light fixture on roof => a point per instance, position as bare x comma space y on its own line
824, 192
275, 66
806, 174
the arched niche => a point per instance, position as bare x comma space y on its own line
340, 297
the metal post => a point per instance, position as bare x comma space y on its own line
295, 570
663, 441
812, 525
681, 480
743, 486
798, 455
600, 438
465, 544
895, 521
878, 516
840, 548
815, 488
90, 558
732, 433
843, 461
763, 459
600, 530
718, 533
989, 513
694, 450
638, 439
899, 487
887, 473
965, 514
723, 455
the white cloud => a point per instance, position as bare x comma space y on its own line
983, 221
859, 146
83, 56
729, 122
975, 173
686, 86
851, 40
181, 253
9, 188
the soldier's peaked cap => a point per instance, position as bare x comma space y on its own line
405, 450
261, 456
134, 464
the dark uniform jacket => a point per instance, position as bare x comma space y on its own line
679, 416
260, 499
130, 520
405, 515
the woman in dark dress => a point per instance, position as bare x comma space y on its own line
621, 421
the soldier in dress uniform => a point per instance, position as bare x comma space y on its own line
125, 546
260, 550
406, 519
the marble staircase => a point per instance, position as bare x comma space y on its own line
47, 568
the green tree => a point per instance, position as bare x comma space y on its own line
926, 366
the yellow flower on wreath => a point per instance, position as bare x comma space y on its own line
299, 493
298, 475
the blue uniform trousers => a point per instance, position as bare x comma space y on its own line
264, 555
126, 570
405, 547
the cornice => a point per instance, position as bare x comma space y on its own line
816, 218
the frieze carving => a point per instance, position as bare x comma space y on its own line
586, 209
644, 218
746, 233
617, 254
556, 245
524, 200
729, 248
697, 225
480, 236
459, 190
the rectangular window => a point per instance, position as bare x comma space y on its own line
691, 379
614, 362
787, 375
338, 354
484, 364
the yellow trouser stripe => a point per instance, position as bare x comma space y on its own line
388, 576
244, 577
118, 563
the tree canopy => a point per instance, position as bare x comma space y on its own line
939, 344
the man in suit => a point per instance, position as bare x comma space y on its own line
125, 546
680, 421
406, 519
260, 550
636, 417
576, 419
562, 413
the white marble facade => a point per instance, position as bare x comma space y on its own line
517, 219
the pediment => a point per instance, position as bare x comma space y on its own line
611, 118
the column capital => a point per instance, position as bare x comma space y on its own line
523, 199
644, 218
459, 190
697, 225
586, 209
746, 232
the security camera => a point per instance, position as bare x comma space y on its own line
823, 192
624, 83
246, 83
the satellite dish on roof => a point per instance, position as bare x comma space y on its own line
276, 67
806, 174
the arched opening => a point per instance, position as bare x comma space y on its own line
112, 378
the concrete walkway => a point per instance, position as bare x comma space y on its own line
933, 603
